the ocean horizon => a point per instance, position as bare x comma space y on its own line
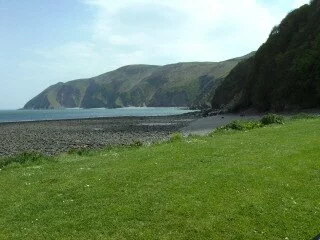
24, 115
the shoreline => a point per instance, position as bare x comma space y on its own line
52, 137
191, 114
94, 115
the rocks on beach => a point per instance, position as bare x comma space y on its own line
54, 137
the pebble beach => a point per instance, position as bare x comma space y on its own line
54, 137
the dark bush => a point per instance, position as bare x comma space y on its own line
136, 143
176, 137
272, 119
242, 125
79, 151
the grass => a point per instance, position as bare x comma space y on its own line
24, 158
257, 184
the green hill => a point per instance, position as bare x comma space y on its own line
284, 74
181, 84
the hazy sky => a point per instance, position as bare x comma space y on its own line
43, 42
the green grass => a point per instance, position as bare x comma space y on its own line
257, 184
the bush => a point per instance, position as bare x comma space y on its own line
241, 125
79, 151
272, 119
136, 143
176, 137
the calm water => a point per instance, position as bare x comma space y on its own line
36, 115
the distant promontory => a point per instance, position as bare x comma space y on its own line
177, 85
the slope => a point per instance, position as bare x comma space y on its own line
181, 84
285, 72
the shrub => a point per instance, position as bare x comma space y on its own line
272, 119
176, 137
241, 125
136, 143
79, 151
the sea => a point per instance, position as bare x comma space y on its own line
63, 114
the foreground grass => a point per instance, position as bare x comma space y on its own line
259, 184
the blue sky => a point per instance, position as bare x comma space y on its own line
48, 41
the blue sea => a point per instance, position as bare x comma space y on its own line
59, 114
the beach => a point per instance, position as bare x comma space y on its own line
55, 137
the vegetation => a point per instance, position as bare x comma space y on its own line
242, 125
23, 158
303, 116
285, 72
272, 119
258, 184
176, 137
181, 84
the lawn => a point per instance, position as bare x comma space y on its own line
257, 184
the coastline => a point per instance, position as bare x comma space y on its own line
53, 137
31, 115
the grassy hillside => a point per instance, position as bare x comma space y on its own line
258, 184
182, 84
284, 74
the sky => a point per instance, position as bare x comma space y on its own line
43, 42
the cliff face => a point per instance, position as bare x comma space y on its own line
284, 74
181, 84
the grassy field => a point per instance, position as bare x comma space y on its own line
257, 184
